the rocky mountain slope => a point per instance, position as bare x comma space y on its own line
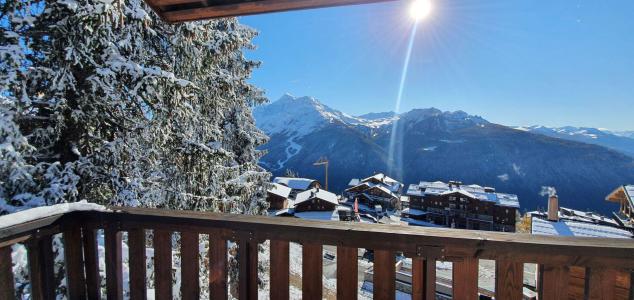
434, 145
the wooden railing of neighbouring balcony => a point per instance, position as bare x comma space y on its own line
602, 259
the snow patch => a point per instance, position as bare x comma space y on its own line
47, 211
292, 150
504, 177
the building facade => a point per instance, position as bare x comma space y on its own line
462, 206
277, 196
378, 189
624, 196
315, 200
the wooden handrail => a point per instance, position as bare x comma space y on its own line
603, 259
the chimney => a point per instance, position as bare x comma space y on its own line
553, 208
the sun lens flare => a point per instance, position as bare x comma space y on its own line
420, 9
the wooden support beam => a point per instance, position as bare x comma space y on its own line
509, 279
312, 270
465, 278
552, 282
347, 272
7, 283
217, 267
279, 271
138, 264
74, 260
41, 264
91, 263
114, 271
162, 243
248, 273
384, 278
601, 283
189, 10
190, 287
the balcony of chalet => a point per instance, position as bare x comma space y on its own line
568, 267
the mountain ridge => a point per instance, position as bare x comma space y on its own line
440, 145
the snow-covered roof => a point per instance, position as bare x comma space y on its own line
473, 191
41, 212
391, 183
390, 190
574, 228
295, 183
316, 193
354, 181
280, 190
577, 215
459, 191
414, 212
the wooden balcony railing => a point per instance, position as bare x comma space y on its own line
602, 259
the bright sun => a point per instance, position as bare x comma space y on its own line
420, 9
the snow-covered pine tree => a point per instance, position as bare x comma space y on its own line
101, 100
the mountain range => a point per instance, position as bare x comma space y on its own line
583, 164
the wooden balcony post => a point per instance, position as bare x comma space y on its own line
217, 268
312, 269
190, 286
114, 272
7, 283
509, 279
552, 282
41, 263
248, 264
279, 272
465, 278
162, 243
138, 264
74, 261
384, 279
347, 272
423, 278
91, 263
601, 283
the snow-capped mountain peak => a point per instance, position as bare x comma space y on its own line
297, 116
589, 135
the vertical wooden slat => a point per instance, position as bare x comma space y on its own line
41, 263
552, 282
279, 272
509, 279
162, 243
190, 287
418, 278
384, 279
7, 284
248, 265
91, 263
465, 278
114, 272
138, 264
74, 261
217, 268
312, 269
601, 283
347, 272
430, 279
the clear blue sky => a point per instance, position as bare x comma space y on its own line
555, 63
